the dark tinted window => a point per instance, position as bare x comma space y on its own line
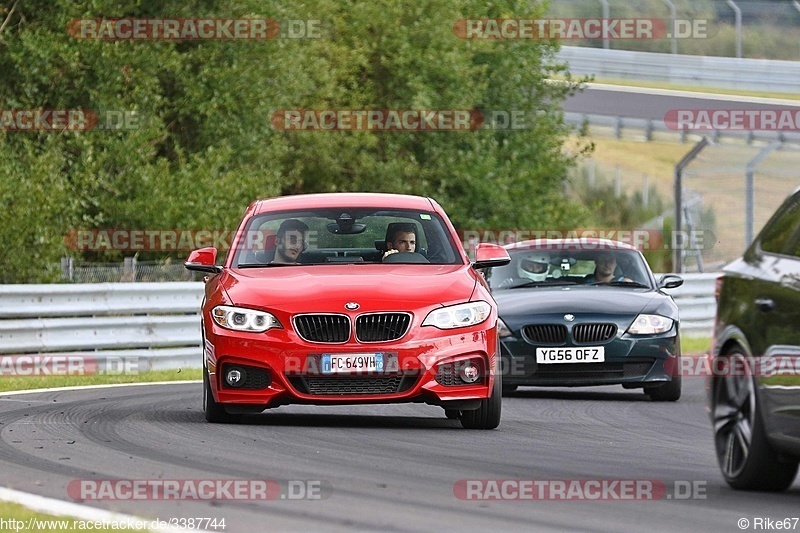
552, 266
342, 235
776, 234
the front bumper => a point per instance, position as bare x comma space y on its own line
631, 361
420, 371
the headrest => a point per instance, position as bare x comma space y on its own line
395, 226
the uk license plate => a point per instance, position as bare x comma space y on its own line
344, 363
586, 354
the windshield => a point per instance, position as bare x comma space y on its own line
540, 267
341, 235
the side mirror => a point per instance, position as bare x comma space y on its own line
203, 260
490, 255
670, 281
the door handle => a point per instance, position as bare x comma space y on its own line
765, 304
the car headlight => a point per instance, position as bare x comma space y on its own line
650, 325
502, 329
241, 319
458, 316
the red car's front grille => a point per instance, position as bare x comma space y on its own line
379, 327
323, 328
352, 385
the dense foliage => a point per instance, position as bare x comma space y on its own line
203, 147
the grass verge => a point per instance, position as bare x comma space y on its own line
12, 383
695, 345
27, 520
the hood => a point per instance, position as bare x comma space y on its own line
326, 288
576, 300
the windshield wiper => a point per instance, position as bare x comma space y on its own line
541, 284
264, 265
629, 284
621, 284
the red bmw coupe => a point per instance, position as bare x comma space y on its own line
349, 298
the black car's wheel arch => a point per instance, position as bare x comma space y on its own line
763, 467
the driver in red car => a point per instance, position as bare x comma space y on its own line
402, 239
291, 241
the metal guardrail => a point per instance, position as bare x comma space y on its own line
723, 72
696, 301
155, 323
648, 127
158, 324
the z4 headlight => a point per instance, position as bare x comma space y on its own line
458, 316
241, 319
650, 325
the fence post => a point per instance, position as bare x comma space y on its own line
67, 269
605, 17
672, 17
677, 253
738, 13
749, 189
129, 269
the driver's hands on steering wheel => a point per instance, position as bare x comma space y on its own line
506, 283
389, 252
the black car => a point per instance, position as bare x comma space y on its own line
754, 391
586, 312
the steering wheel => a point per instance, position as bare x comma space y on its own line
405, 257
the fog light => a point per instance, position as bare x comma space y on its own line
235, 377
469, 373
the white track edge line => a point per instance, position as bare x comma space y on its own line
56, 507
103, 386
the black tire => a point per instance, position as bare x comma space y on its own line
487, 416
736, 416
509, 389
669, 392
215, 413
452, 414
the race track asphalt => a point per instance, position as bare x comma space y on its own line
385, 467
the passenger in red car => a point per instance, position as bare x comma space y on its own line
291, 241
402, 239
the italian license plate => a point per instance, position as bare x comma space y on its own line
340, 363
587, 354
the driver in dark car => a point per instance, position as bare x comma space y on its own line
402, 239
604, 270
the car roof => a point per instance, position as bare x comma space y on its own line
344, 199
576, 244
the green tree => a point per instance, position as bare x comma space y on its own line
204, 146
